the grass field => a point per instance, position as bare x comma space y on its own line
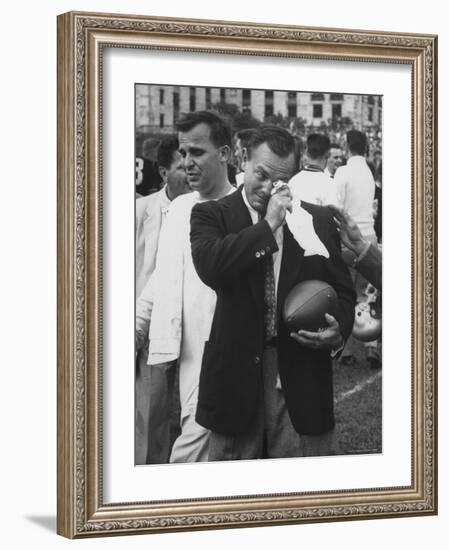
358, 405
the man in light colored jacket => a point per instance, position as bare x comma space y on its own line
150, 215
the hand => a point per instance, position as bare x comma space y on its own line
140, 340
280, 201
329, 338
349, 230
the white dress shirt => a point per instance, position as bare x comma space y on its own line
278, 235
314, 187
355, 187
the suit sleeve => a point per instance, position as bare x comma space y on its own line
338, 274
370, 265
221, 258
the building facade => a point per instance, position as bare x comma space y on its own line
158, 107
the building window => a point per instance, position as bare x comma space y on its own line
269, 103
370, 113
317, 110
192, 99
175, 104
336, 97
246, 100
161, 120
161, 96
317, 97
291, 104
336, 110
222, 95
370, 100
208, 100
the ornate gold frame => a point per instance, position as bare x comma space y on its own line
81, 36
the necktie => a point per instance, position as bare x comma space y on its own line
269, 296
270, 299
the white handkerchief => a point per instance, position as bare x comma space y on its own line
300, 223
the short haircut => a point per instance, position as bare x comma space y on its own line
334, 145
149, 148
220, 132
150, 143
357, 142
244, 136
169, 145
278, 140
317, 145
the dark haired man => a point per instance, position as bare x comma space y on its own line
151, 210
356, 187
241, 141
312, 184
266, 392
150, 215
335, 159
148, 178
183, 306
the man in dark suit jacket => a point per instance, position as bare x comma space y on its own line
266, 395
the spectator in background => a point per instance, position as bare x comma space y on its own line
242, 138
335, 160
299, 147
150, 215
312, 184
355, 187
183, 306
377, 162
148, 178
151, 210
355, 184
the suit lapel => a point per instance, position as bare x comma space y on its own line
237, 215
292, 257
238, 218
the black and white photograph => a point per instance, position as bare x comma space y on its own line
258, 274
238, 344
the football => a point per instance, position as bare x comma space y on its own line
306, 304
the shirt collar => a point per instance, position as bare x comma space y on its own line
253, 213
165, 201
310, 167
356, 158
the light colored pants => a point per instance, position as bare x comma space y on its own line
272, 434
193, 443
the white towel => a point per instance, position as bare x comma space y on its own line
300, 223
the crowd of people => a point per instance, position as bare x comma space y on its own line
224, 226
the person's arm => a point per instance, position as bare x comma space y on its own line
144, 307
221, 258
369, 264
368, 259
340, 186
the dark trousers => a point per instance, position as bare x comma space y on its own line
272, 434
154, 389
